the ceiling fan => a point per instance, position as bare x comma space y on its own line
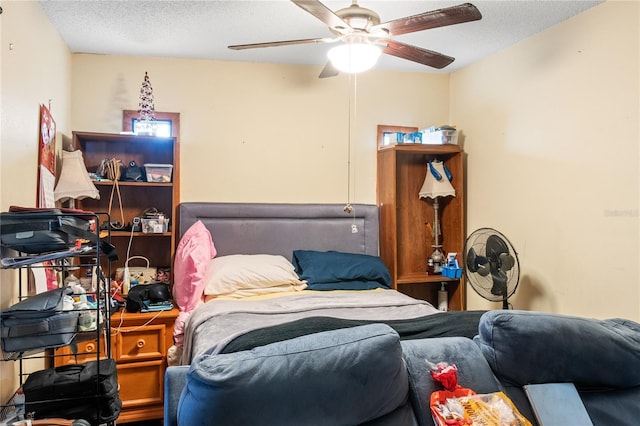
356, 26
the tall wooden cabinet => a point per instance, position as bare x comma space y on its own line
405, 243
136, 197
139, 340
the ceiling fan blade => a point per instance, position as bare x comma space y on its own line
324, 14
434, 19
415, 54
328, 71
282, 43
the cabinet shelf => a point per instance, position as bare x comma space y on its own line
106, 182
423, 278
140, 234
426, 149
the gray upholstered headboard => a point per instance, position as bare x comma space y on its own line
250, 228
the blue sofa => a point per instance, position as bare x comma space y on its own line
367, 375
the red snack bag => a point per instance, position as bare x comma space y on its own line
444, 414
446, 374
458, 406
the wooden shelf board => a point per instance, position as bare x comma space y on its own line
422, 278
139, 234
426, 148
107, 182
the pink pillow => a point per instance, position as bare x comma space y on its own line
193, 254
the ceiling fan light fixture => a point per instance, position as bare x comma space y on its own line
354, 57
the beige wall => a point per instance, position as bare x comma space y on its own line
35, 69
551, 133
262, 132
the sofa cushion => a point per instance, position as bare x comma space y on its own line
473, 370
534, 347
612, 406
347, 376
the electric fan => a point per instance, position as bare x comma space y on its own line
492, 266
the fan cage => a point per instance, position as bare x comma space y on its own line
483, 284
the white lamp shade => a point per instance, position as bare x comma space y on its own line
432, 187
354, 57
74, 182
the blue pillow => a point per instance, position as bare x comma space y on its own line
332, 270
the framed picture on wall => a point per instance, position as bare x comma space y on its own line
46, 159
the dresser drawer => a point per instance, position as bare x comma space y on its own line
141, 384
134, 344
86, 351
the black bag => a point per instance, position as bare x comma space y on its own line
153, 292
77, 391
133, 172
38, 322
36, 231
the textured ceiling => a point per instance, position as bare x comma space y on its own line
203, 29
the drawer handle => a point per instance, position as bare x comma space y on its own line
91, 347
140, 343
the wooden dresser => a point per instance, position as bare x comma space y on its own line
139, 344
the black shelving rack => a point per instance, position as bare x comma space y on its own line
86, 255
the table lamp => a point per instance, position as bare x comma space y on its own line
74, 183
437, 184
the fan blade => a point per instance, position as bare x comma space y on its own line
415, 54
499, 287
324, 14
477, 263
281, 43
328, 71
472, 256
495, 247
434, 19
506, 261
484, 268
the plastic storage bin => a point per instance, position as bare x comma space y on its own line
440, 137
155, 226
158, 172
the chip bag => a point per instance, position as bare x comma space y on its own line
459, 406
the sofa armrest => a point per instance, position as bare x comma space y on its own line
174, 380
525, 347
600, 357
346, 376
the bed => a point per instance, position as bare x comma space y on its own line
338, 279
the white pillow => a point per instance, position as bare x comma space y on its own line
260, 273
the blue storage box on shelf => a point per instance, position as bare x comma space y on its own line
451, 272
452, 269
